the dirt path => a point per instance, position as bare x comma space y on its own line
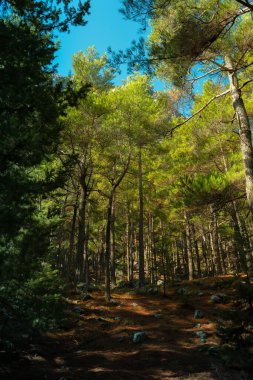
100, 346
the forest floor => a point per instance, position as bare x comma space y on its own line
99, 345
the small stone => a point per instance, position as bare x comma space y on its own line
79, 310
139, 337
216, 299
201, 334
101, 319
182, 291
198, 314
158, 316
117, 318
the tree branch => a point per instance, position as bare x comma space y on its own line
201, 109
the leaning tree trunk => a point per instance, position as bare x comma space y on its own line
245, 137
244, 128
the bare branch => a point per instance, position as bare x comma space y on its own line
201, 109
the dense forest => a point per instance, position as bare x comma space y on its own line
105, 186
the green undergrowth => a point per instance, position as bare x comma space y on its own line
31, 307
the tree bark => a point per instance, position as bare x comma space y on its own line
244, 129
189, 248
215, 242
141, 224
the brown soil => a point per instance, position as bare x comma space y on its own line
98, 346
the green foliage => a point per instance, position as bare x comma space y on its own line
33, 305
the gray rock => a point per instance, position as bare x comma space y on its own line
158, 316
79, 310
201, 334
198, 314
216, 299
182, 291
139, 337
219, 298
101, 319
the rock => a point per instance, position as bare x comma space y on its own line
198, 314
101, 319
87, 297
182, 291
201, 334
153, 290
158, 316
216, 299
139, 337
219, 298
78, 310
117, 318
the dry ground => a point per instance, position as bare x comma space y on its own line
99, 345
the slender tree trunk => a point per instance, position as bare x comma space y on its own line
113, 274
108, 249
244, 129
141, 224
81, 235
196, 247
204, 251
215, 243
189, 248
86, 255
72, 238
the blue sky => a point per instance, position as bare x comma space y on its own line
106, 27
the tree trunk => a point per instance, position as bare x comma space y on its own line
215, 242
113, 248
244, 129
81, 235
189, 248
72, 239
108, 249
141, 224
